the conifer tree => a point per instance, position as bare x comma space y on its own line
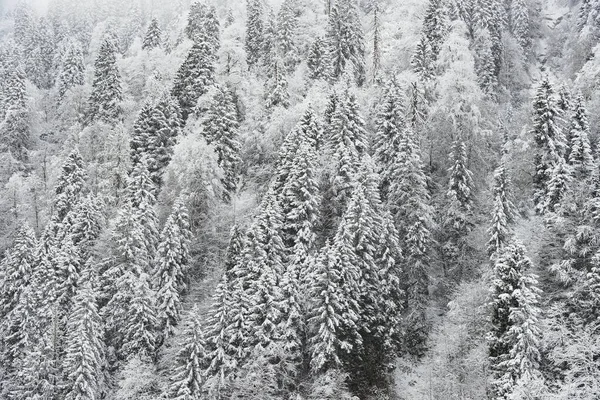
390, 124
514, 342
317, 59
220, 128
107, 95
434, 27
84, 354
167, 277
70, 186
196, 20
520, 23
188, 378
152, 39
254, 32
181, 218
561, 176
270, 52
85, 224
72, 72
194, 76
287, 22
422, 61
579, 153
276, 87
376, 41
548, 139
139, 329
485, 66
460, 191
15, 132
502, 214
16, 268
345, 40
212, 28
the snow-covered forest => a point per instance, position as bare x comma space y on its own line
299, 199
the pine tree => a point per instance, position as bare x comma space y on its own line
276, 87
434, 27
485, 66
187, 381
520, 23
548, 139
270, 54
84, 354
167, 277
558, 184
152, 39
85, 223
70, 186
72, 72
390, 123
376, 41
212, 28
287, 21
460, 191
181, 218
317, 59
254, 32
345, 41
422, 61
195, 76
139, 330
502, 214
514, 341
195, 27
579, 153
105, 100
15, 132
220, 128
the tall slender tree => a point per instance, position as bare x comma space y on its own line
107, 94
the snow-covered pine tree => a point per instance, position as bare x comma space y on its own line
345, 41
142, 127
514, 341
166, 128
140, 327
503, 212
85, 223
84, 345
317, 59
422, 60
520, 24
181, 217
376, 40
212, 28
220, 128
194, 76
195, 20
72, 72
70, 186
390, 123
287, 21
579, 153
548, 139
276, 87
188, 378
270, 51
254, 32
434, 27
107, 95
152, 39
485, 62
561, 176
15, 131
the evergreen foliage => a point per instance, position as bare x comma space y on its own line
107, 94
153, 38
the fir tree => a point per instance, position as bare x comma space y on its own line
515, 337
434, 27
152, 39
195, 27
254, 32
376, 41
579, 153
195, 76
15, 132
485, 66
105, 100
548, 139
220, 128
502, 214
345, 41
460, 190
520, 23
139, 329
84, 355
287, 21
70, 186
422, 61
187, 381
85, 224
276, 87
558, 184
72, 72
317, 59
181, 217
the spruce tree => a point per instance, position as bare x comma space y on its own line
502, 214
195, 27
15, 131
561, 176
152, 39
85, 224
434, 27
287, 21
376, 41
276, 87
84, 354
254, 32
520, 23
485, 66
422, 60
72, 72
194, 76
514, 341
317, 59
220, 128
70, 186
548, 139
107, 95
188, 377
579, 153
139, 329
345, 41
